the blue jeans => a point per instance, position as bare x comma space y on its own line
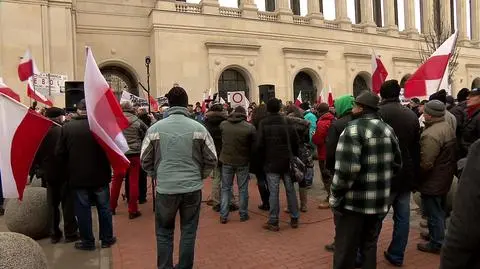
228, 173
83, 211
433, 206
401, 226
167, 206
308, 177
273, 181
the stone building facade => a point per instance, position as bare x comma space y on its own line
205, 46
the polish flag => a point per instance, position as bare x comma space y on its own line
153, 103
105, 116
204, 102
330, 96
379, 73
429, 75
36, 95
21, 133
26, 68
7, 91
298, 101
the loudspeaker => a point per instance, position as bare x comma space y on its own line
267, 92
74, 93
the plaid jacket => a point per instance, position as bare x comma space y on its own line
367, 157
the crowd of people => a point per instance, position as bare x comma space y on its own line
373, 152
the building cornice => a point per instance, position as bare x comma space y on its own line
303, 51
113, 31
472, 66
235, 46
406, 60
357, 55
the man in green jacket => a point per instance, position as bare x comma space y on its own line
237, 142
179, 153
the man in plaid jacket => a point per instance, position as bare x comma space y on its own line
367, 158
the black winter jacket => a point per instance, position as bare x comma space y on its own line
334, 133
470, 133
462, 242
212, 123
272, 143
48, 163
407, 129
85, 161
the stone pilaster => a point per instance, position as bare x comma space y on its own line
314, 14
341, 16
409, 10
475, 22
367, 22
284, 12
389, 18
462, 22
249, 9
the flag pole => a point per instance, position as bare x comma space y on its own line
147, 65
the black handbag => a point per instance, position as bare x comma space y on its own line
297, 167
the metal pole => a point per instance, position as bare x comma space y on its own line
147, 64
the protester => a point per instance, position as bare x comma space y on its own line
302, 129
471, 126
134, 134
249, 113
460, 249
450, 102
276, 142
148, 120
343, 109
438, 165
449, 117
459, 110
407, 129
367, 158
319, 139
179, 153
310, 117
237, 141
415, 106
89, 174
256, 163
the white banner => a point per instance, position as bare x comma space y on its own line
49, 84
136, 101
238, 99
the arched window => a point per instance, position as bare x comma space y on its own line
304, 82
476, 83
232, 80
120, 80
362, 82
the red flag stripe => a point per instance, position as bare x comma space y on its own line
25, 70
432, 69
119, 164
25, 144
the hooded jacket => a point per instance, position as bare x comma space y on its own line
320, 136
237, 140
212, 123
470, 132
343, 110
407, 129
134, 133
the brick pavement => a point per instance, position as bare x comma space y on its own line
246, 245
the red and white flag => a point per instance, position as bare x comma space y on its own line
330, 97
298, 101
153, 104
7, 91
21, 133
26, 68
379, 73
105, 116
429, 75
36, 95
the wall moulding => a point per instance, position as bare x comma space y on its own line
227, 48
303, 53
416, 61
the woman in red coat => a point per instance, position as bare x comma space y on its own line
323, 124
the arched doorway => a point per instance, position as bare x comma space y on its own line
232, 80
304, 82
361, 82
476, 83
404, 80
120, 79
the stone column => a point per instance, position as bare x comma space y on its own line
409, 10
341, 16
314, 13
462, 22
427, 17
475, 21
389, 18
249, 9
284, 12
210, 7
445, 11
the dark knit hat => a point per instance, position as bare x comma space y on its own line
463, 94
322, 108
474, 92
240, 109
441, 96
177, 96
305, 106
435, 108
368, 99
54, 112
415, 100
82, 105
274, 105
390, 89
450, 100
